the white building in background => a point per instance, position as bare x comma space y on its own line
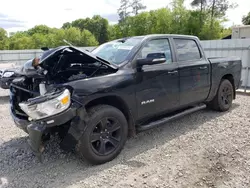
241, 32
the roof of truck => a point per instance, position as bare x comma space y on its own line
167, 35
161, 35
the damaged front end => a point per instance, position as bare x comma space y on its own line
47, 105
41, 97
41, 114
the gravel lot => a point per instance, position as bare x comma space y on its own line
205, 149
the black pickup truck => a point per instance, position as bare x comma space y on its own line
96, 100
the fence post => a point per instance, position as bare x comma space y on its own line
247, 77
247, 70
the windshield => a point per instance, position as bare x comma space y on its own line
117, 51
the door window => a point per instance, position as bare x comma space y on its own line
187, 50
157, 46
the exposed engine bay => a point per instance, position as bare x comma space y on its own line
70, 66
66, 65
39, 79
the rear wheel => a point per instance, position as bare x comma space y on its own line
105, 135
224, 97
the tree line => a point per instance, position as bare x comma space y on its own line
204, 20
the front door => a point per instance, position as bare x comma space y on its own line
157, 88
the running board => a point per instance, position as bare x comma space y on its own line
169, 118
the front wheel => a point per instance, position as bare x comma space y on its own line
105, 135
224, 97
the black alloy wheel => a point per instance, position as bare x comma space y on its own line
224, 97
106, 136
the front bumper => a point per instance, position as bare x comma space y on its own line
49, 122
36, 129
5, 82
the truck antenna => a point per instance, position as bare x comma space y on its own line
67, 42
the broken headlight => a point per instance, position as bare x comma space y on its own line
46, 106
7, 74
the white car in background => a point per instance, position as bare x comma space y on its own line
6, 77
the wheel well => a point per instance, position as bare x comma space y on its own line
231, 79
119, 104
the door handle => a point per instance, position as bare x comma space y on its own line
173, 72
203, 68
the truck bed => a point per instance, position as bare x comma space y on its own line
234, 59
225, 66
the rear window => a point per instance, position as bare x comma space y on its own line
187, 50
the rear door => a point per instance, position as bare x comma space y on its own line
157, 88
194, 70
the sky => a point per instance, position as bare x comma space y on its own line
24, 14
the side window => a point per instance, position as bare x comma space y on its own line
157, 46
187, 50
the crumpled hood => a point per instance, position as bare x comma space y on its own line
28, 69
56, 51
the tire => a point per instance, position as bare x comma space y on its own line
105, 135
224, 98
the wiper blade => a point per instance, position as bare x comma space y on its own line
103, 59
106, 61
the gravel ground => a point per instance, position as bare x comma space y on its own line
204, 149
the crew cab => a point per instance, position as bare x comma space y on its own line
96, 100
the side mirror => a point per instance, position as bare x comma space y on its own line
148, 61
44, 48
152, 59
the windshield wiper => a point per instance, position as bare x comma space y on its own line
103, 60
110, 63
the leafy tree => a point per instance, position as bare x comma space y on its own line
20, 41
79, 23
205, 22
218, 8
88, 39
225, 32
3, 34
180, 16
137, 6
208, 34
42, 29
212, 9
123, 11
114, 32
194, 26
246, 19
3, 39
96, 25
202, 6
141, 23
160, 21
73, 35
66, 25
39, 40
55, 38
199, 3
